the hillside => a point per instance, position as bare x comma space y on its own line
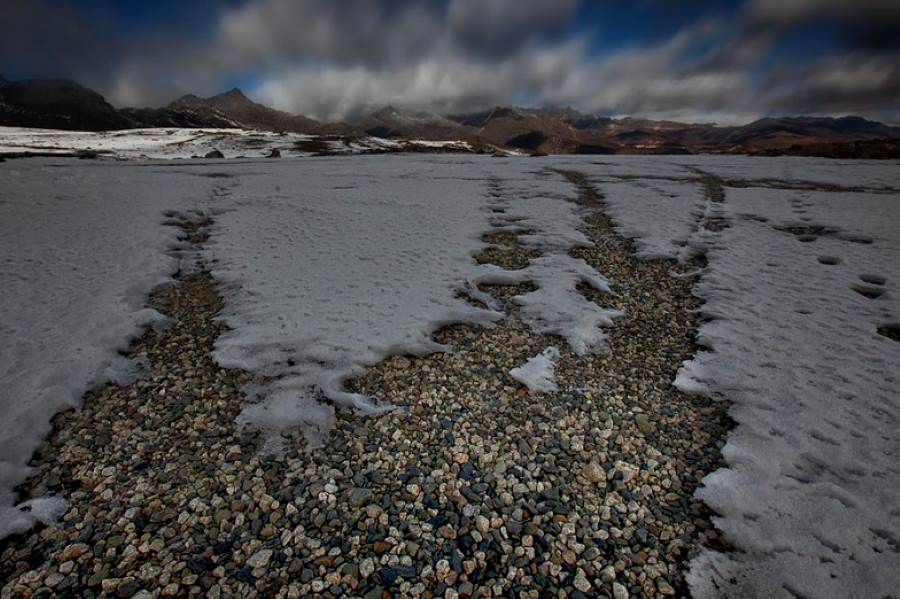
565, 131
394, 122
56, 104
236, 108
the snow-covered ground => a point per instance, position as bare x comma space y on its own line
330, 266
325, 269
842, 173
80, 248
797, 287
872, 174
794, 343
669, 208
370, 259
175, 143
334, 266
519, 194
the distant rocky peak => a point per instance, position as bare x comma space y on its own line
186, 100
233, 94
505, 112
391, 111
387, 111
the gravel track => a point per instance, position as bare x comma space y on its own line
473, 487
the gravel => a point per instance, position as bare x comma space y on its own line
473, 489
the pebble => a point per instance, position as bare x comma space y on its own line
72, 552
581, 582
664, 587
644, 424
359, 497
482, 524
260, 559
366, 567
595, 473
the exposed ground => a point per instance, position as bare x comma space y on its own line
472, 487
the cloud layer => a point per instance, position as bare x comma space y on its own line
338, 60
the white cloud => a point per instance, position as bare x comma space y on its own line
443, 83
277, 32
335, 60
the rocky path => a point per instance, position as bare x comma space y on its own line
475, 488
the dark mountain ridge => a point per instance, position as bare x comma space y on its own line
239, 110
395, 122
61, 104
56, 104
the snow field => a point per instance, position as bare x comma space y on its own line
795, 345
799, 289
372, 257
179, 143
325, 269
80, 249
329, 267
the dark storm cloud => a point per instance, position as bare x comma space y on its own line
276, 32
375, 33
852, 83
789, 12
46, 38
868, 25
337, 59
37, 37
498, 27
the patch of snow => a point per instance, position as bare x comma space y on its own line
81, 246
794, 344
157, 143
659, 215
179, 143
330, 268
46, 510
557, 307
796, 287
451, 144
326, 269
378, 142
865, 173
519, 203
538, 373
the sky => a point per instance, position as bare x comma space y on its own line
687, 60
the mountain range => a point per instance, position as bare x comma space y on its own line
62, 104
